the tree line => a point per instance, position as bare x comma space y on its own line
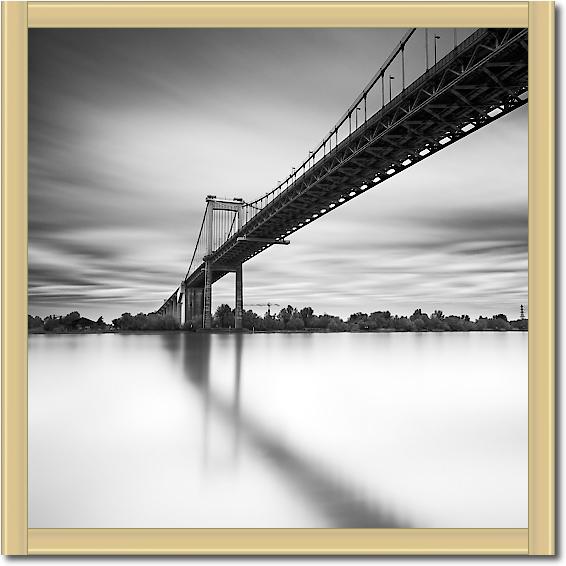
288, 318
74, 322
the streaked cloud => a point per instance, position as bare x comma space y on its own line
131, 129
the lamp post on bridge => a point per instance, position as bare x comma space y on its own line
391, 78
436, 38
426, 47
403, 67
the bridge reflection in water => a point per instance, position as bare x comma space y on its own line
329, 494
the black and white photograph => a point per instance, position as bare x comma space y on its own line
278, 278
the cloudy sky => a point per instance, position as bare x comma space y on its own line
129, 130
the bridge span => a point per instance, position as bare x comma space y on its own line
483, 78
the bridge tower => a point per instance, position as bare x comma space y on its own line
214, 237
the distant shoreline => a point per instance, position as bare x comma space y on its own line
288, 320
34, 331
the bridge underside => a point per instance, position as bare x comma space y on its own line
484, 78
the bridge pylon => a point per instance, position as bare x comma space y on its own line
214, 236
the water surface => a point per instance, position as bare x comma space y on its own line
187, 430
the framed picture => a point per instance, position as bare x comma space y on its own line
278, 278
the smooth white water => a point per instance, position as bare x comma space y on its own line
278, 430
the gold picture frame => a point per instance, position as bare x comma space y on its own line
538, 538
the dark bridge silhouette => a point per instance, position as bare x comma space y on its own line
483, 78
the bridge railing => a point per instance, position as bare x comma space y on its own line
417, 51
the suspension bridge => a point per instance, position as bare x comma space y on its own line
480, 79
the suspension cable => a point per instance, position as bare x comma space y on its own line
197, 244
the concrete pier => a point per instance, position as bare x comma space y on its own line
194, 303
207, 310
239, 297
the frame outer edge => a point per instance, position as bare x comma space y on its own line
14, 278
14, 400
278, 14
541, 279
222, 542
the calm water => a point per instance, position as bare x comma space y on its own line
278, 430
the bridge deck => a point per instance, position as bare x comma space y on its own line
482, 79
